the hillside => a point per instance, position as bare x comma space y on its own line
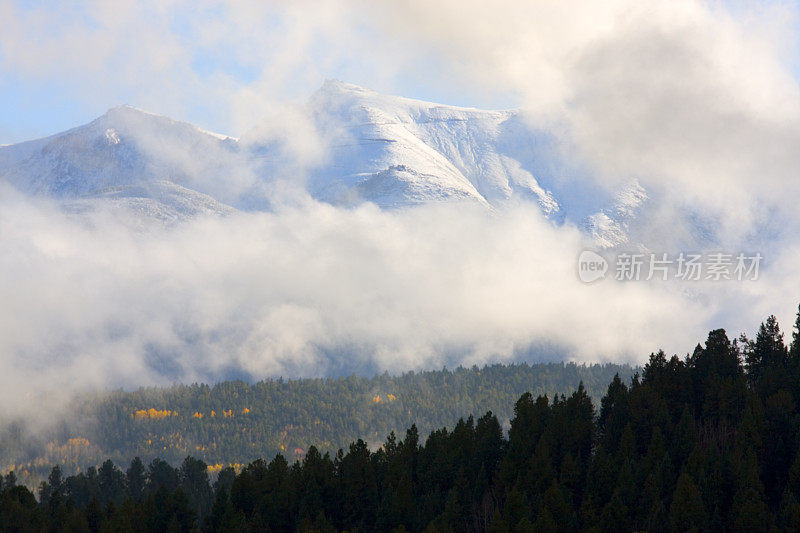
234, 422
364, 146
704, 443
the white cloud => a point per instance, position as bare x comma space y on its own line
314, 289
273, 293
698, 101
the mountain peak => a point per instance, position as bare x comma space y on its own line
127, 116
354, 103
127, 108
127, 111
337, 93
389, 150
339, 86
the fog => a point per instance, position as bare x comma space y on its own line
697, 101
314, 290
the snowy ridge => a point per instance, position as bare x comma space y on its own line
430, 151
125, 154
392, 151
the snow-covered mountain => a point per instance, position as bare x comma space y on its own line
127, 157
392, 151
396, 151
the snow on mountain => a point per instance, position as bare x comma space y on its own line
610, 227
128, 157
392, 151
395, 152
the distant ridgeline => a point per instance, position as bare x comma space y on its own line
233, 423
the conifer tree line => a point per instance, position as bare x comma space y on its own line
234, 422
708, 442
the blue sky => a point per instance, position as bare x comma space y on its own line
224, 65
61, 67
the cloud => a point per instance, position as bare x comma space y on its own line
313, 289
224, 65
302, 291
697, 101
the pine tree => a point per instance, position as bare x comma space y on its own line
615, 515
614, 414
766, 358
657, 519
111, 482
789, 515
136, 479
161, 474
795, 346
687, 512
194, 480
545, 523
750, 511
55, 480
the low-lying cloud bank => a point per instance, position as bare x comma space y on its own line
696, 100
312, 290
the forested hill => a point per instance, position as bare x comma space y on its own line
705, 443
234, 422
